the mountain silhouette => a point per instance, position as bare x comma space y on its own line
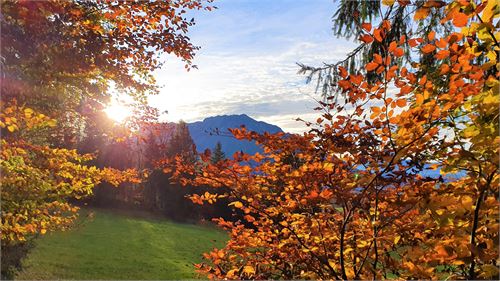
211, 130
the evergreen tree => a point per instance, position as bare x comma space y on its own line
172, 198
349, 22
181, 142
217, 154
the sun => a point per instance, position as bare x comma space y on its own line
118, 112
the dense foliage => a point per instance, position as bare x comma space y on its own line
61, 61
355, 197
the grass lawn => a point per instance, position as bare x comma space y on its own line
116, 246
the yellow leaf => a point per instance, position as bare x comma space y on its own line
467, 202
489, 10
328, 167
43, 231
52, 123
490, 99
28, 112
248, 269
231, 273
388, 2
396, 239
236, 204
470, 132
11, 128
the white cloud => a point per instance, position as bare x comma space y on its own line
257, 75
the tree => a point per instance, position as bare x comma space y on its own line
102, 42
181, 142
37, 182
60, 62
217, 155
357, 204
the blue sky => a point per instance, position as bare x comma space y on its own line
247, 62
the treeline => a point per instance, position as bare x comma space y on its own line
156, 193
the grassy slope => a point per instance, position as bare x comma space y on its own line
113, 246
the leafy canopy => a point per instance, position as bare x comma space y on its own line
353, 198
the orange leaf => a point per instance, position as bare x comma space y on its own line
402, 39
344, 84
419, 99
380, 69
401, 102
356, 79
371, 66
442, 54
392, 46
377, 58
366, 38
441, 43
431, 35
421, 13
367, 26
428, 48
444, 69
387, 60
413, 42
399, 52
343, 72
386, 24
378, 35
460, 19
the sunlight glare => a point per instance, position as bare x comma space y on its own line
118, 112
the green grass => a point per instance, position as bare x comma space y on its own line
115, 246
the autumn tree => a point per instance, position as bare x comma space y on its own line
60, 61
37, 181
359, 200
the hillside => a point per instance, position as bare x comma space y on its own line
116, 246
211, 130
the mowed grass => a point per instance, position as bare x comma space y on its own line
116, 246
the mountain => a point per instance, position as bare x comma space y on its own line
211, 130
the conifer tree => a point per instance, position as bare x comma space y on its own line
218, 155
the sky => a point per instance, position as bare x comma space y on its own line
247, 62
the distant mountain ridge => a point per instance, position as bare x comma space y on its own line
211, 130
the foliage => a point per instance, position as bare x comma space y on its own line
353, 201
80, 47
61, 61
37, 180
